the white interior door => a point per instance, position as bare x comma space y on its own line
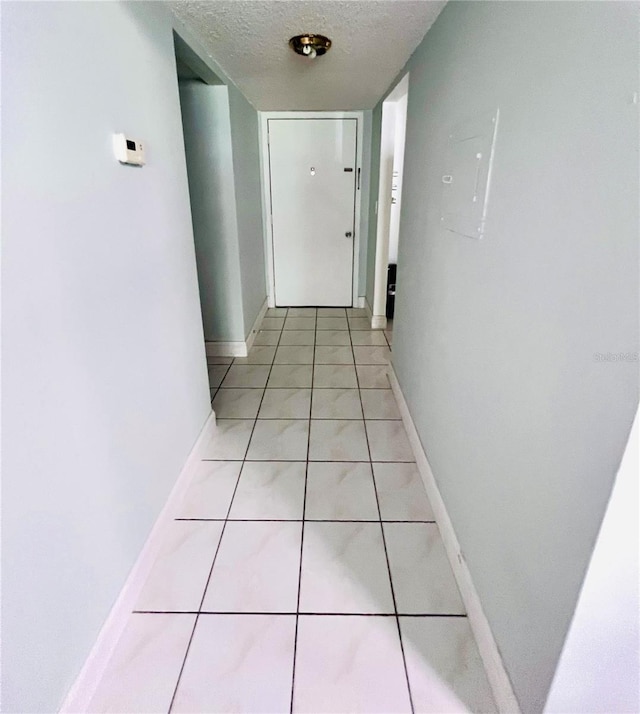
312, 165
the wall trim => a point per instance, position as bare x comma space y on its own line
79, 696
494, 666
256, 325
226, 349
367, 307
237, 348
362, 302
387, 150
378, 322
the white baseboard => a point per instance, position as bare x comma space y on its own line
362, 302
256, 325
79, 696
378, 322
238, 348
226, 349
489, 652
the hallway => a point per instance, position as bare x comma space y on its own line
304, 570
352, 535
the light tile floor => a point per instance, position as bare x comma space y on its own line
304, 571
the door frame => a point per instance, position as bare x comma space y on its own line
383, 210
266, 192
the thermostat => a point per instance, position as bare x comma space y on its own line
128, 151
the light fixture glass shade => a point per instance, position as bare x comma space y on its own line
310, 45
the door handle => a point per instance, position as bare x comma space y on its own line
348, 234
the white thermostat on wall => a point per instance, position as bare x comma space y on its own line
128, 151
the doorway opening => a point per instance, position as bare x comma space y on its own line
392, 145
203, 101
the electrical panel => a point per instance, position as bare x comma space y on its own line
467, 176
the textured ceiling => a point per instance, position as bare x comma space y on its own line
372, 40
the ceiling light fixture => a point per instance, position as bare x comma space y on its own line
311, 46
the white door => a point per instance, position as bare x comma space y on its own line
312, 164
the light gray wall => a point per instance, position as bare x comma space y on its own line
103, 367
246, 172
494, 340
210, 164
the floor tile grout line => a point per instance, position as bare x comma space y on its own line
308, 387
217, 389
246, 453
204, 592
224, 525
305, 418
276, 363
358, 385
321, 461
393, 594
304, 508
302, 613
386, 339
384, 543
286, 418
300, 520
